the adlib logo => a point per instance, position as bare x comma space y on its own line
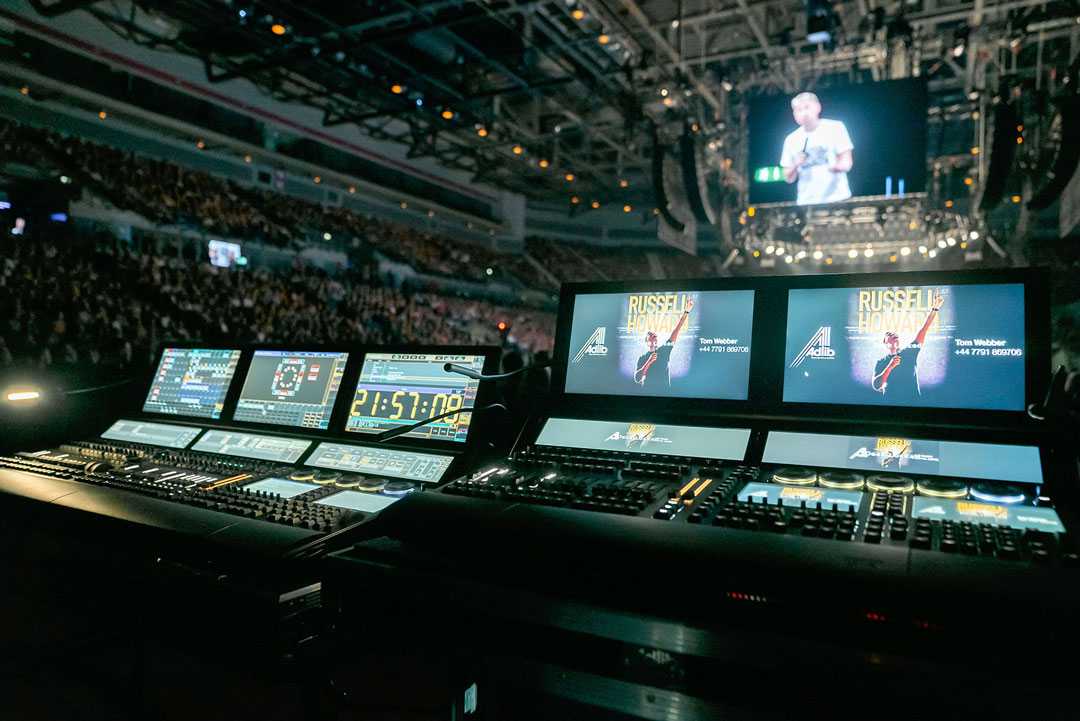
638, 433
819, 347
593, 346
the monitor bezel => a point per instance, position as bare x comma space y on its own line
492, 358
677, 406
768, 351
192, 345
335, 409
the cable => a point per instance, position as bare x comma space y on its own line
394, 432
470, 373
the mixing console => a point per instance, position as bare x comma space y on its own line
986, 518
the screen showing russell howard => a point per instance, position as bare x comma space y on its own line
692, 344
958, 346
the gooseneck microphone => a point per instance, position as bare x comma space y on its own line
395, 432
470, 373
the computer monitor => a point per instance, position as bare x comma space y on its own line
192, 382
926, 346
291, 388
398, 389
661, 344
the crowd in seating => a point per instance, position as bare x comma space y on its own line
113, 305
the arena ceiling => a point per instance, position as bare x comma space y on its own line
556, 99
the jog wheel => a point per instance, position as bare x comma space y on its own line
302, 476
794, 476
399, 488
370, 485
844, 480
325, 478
942, 488
997, 493
890, 484
348, 481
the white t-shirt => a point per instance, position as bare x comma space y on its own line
817, 183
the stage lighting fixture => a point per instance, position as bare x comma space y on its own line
595, 204
960, 39
278, 29
491, 271
352, 189
569, 177
544, 162
482, 132
448, 114
627, 208
853, 253
603, 39
102, 115
397, 89
577, 14
247, 158
624, 183
24, 90
517, 150
574, 199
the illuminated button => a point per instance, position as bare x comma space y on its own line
997, 493
894, 484
794, 476
845, 480
399, 488
348, 482
942, 488
371, 485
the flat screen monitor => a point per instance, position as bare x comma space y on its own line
252, 445
918, 456
192, 382
941, 346
152, 434
398, 389
649, 438
412, 466
291, 388
834, 144
676, 344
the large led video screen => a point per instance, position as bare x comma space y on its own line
824, 146
674, 344
959, 346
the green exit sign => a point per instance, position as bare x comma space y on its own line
771, 174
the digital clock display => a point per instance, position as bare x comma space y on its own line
398, 389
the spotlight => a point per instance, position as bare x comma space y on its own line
24, 90
352, 189
200, 144
769, 249
431, 214
491, 271
103, 115
543, 163
577, 14
574, 200
853, 253
727, 85
624, 183
247, 158
949, 204
317, 179
818, 255
974, 149
482, 131
869, 252
950, 242
603, 39
327, 236
447, 114
397, 89
595, 204
569, 177
278, 29
627, 208
668, 102
404, 205
663, 92
974, 235
517, 150
675, 24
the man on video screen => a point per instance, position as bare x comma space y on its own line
652, 371
896, 376
818, 154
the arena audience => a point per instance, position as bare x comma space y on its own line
113, 306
